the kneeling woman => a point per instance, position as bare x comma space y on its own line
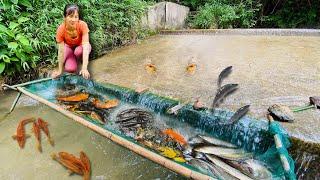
73, 43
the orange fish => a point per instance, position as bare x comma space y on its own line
175, 136
86, 165
70, 157
44, 126
107, 105
71, 165
36, 131
191, 68
150, 68
21, 135
74, 98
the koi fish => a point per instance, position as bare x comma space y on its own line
74, 98
21, 135
44, 126
191, 68
175, 136
86, 165
71, 165
150, 68
107, 105
36, 131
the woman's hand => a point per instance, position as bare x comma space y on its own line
85, 73
56, 74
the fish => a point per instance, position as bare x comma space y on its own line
169, 152
232, 171
86, 165
21, 135
226, 153
222, 93
176, 108
237, 115
74, 98
150, 68
210, 169
44, 126
195, 141
223, 74
198, 105
175, 136
106, 105
191, 68
95, 116
217, 142
72, 164
37, 134
252, 168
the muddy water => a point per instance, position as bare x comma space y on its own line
268, 69
108, 160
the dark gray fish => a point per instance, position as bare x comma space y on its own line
223, 74
238, 115
222, 93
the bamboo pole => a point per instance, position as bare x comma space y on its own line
15, 102
122, 141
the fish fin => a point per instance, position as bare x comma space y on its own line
14, 137
70, 172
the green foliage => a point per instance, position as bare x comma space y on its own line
220, 14
16, 51
28, 29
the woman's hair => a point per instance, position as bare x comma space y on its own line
70, 9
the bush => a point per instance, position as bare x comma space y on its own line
220, 14
16, 50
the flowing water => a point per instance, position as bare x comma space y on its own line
268, 69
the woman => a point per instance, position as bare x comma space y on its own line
73, 43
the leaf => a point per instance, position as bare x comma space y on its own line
25, 3
2, 66
3, 28
12, 45
13, 25
25, 66
14, 59
22, 19
22, 39
5, 59
14, 1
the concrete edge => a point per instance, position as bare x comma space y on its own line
255, 32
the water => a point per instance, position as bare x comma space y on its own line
108, 160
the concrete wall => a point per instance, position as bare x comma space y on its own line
165, 15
